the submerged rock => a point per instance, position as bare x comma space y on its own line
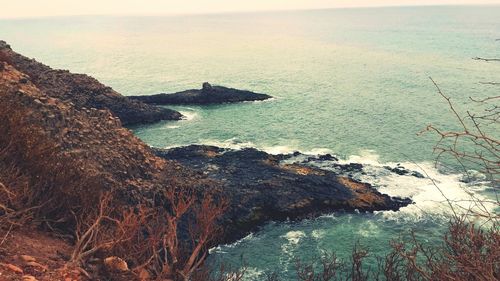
262, 188
208, 94
402, 171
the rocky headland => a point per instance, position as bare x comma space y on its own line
63, 134
85, 92
208, 94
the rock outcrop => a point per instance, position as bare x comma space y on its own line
74, 153
84, 91
207, 95
262, 188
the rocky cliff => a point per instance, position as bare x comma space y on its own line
74, 154
84, 91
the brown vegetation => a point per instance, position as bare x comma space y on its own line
150, 239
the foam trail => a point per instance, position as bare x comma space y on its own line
236, 144
232, 143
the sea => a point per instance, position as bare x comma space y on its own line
355, 83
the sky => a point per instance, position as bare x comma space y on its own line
43, 8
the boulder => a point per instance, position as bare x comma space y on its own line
116, 264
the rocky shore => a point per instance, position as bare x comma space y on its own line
208, 94
263, 188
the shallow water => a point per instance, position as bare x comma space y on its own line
351, 82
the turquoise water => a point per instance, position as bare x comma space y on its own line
352, 82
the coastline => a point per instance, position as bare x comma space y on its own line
72, 99
103, 155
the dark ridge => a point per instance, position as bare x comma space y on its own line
207, 95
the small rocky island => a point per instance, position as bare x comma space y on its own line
208, 94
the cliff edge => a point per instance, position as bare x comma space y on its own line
84, 91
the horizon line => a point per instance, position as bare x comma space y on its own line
180, 14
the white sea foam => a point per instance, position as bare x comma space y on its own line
368, 229
189, 115
318, 234
262, 101
236, 144
232, 143
172, 127
219, 249
294, 237
429, 194
278, 149
253, 274
438, 194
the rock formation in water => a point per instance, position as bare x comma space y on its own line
208, 94
262, 188
84, 91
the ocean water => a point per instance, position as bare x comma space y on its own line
352, 82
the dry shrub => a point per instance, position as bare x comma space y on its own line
17, 205
168, 242
184, 231
38, 182
329, 267
474, 145
54, 186
469, 253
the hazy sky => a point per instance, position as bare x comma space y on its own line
36, 8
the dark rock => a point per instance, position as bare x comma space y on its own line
207, 95
327, 157
349, 168
402, 171
417, 175
206, 86
262, 189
